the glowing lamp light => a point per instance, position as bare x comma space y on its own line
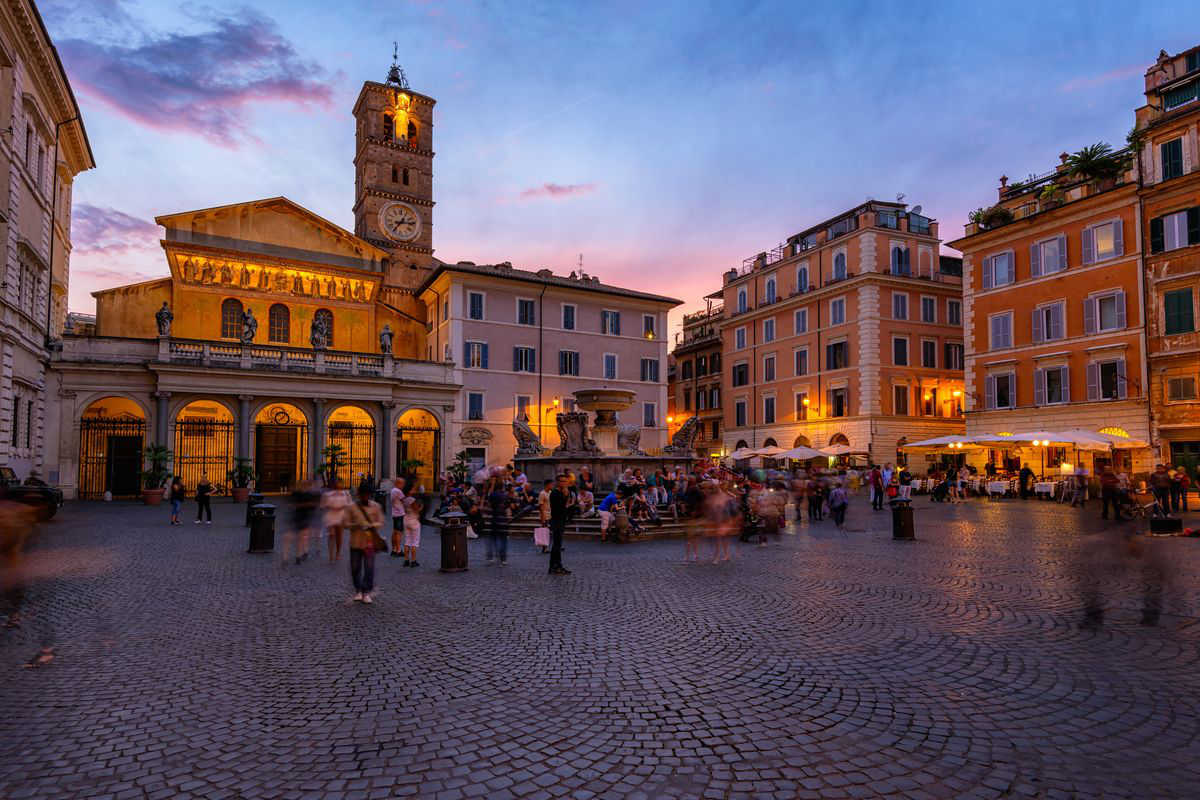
957, 393
928, 396
805, 401
670, 419
556, 401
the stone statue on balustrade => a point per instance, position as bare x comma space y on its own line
684, 441
318, 335
573, 437
163, 317
629, 439
385, 340
528, 443
249, 326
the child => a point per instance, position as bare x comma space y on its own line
412, 530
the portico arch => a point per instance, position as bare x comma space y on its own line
419, 447
204, 441
280, 446
112, 436
351, 429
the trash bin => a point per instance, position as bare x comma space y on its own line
902, 520
454, 541
253, 499
262, 528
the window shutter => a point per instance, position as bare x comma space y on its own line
1156, 235
1062, 251
1093, 381
1118, 237
1011, 266
617, 322
1089, 247
516, 359
466, 354
1038, 333
829, 402
1066, 383
604, 322
1012, 390
1121, 383
1056, 322
1193, 225
1089, 315
989, 392
1120, 310
484, 359
1035, 260
987, 269
907, 261
1039, 387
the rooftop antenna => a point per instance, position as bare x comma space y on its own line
396, 76
900, 197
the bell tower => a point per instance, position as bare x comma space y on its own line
393, 175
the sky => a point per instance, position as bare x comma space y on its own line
664, 142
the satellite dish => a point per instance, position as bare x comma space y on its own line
916, 210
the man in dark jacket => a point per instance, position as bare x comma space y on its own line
560, 504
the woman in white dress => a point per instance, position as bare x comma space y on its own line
333, 505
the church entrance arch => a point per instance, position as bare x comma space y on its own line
418, 448
112, 435
280, 447
204, 431
352, 431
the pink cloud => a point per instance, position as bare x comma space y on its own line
1078, 84
106, 231
558, 191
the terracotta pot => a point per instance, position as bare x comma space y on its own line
241, 495
152, 497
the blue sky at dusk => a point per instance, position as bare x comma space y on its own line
663, 141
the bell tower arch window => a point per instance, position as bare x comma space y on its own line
405, 173
394, 174
389, 127
231, 318
412, 133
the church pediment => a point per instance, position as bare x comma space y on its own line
275, 227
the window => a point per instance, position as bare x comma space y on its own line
714, 364
739, 414
837, 311
899, 306
29, 422
325, 318
395, 174
39, 166
279, 323
1183, 94
687, 400
568, 317
714, 397
716, 430
1051, 386
523, 402
649, 415
801, 405
1178, 316
525, 312
800, 359
648, 326
770, 290
769, 410
568, 362
741, 374
475, 305
650, 370
919, 224
1048, 323
405, 174
446, 309
998, 270
929, 403
928, 309
837, 355
953, 352
954, 312
900, 401
685, 370
231, 319
389, 127
474, 405
701, 366
739, 338
701, 399
769, 369
929, 354
524, 359
887, 219
839, 266
1001, 391
838, 402
1102, 242
901, 264
1001, 330
610, 322
1172, 158
610, 366
16, 423
1104, 312
1048, 256
742, 303
900, 352
1106, 380
801, 321
1175, 230
802, 278
768, 330
1179, 389
475, 355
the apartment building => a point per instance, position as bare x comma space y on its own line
525, 341
696, 385
849, 332
1169, 162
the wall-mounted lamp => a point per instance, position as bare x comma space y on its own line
957, 393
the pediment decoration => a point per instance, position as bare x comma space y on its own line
475, 436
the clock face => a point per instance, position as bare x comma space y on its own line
399, 222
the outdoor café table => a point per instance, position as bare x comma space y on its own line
997, 488
1044, 487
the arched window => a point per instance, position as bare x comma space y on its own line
389, 127
741, 445
839, 267
406, 176
412, 134
770, 442
231, 318
801, 441
839, 438
395, 176
279, 323
770, 290
325, 316
741, 301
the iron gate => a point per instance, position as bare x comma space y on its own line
110, 457
203, 446
358, 452
410, 443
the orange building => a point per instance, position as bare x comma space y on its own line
695, 386
850, 332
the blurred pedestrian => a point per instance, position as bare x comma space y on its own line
178, 493
204, 499
333, 503
839, 501
560, 509
364, 518
413, 508
396, 499
1160, 485
305, 499
501, 507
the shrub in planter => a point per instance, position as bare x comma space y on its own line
1098, 164
154, 477
993, 217
239, 479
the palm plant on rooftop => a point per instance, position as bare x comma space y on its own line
1097, 163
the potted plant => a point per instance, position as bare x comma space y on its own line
154, 477
239, 479
1052, 195
459, 467
335, 459
408, 469
988, 218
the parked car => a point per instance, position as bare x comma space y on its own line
34, 492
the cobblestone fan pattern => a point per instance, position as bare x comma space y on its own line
820, 666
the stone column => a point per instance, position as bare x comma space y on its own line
318, 432
160, 417
243, 426
384, 436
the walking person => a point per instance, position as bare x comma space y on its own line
305, 499
1160, 485
839, 501
1109, 494
333, 503
905, 479
560, 508
396, 498
876, 482
364, 518
543, 504
204, 499
501, 507
1185, 485
414, 507
178, 493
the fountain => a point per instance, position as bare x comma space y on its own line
607, 450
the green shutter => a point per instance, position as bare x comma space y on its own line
1156, 235
1177, 306
1177, 97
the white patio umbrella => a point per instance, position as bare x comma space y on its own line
801, 453
949, 442
770, 451
835, 450
1107, 439
742, 453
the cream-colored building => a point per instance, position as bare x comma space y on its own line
43, 146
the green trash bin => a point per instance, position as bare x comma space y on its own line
262, 528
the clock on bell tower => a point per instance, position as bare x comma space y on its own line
393, 175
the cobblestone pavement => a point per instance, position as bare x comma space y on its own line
177, 665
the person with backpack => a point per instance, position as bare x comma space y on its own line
364, 518
204, 499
